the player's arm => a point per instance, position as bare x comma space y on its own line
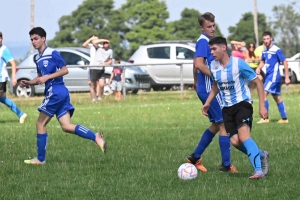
213, 93
13, 72
201, 54
25, 83
260, 66
199, 64
260, 91
285, 64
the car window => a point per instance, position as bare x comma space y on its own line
184, 53
159, 52
72, 58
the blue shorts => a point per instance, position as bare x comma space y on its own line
273, 88
214, 111
57, 102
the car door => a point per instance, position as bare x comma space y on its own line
77, 78
186, 56
161, 73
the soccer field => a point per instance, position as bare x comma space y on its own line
149, 136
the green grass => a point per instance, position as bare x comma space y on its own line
149, 135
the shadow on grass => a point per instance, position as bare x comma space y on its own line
9, 121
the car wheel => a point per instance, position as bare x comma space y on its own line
25, 91
134, 91
293, 78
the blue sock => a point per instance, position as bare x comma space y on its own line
244, 150
203, 143
84, 132
9, 103
253, 154
267, 105
281, 108
224, 143
42, 141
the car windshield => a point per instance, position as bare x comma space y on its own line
84, 52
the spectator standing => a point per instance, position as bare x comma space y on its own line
116, 81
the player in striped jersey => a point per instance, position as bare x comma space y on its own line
202, 84
231, 77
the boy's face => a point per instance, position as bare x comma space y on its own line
208, 28
218, 50
37, 41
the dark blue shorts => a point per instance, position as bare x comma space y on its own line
273, 88
57, 102
214, 111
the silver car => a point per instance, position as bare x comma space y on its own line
166, 76
77, 78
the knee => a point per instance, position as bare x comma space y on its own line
39, 125
66, 128
235, 141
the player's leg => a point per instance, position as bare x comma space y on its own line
280, 105
64, 113
119, 89
42, 139
244, 112
9, 103
206, 138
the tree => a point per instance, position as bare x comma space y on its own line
244, 30
146, 21
286, 26
92, 17
188, 28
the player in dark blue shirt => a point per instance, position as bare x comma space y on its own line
50, 71
202, 84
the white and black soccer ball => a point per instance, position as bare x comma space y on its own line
187, 171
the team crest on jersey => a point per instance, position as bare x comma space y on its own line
45, 63
269, 56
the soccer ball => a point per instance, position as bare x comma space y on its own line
187, 171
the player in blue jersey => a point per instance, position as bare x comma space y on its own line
50, 71
5, 57
202, 84
231, 77
272, 56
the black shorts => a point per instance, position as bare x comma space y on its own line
235, 116
96, 74
2, 87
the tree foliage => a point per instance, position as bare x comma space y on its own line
146, 21
286, 26
91, 17
244, 29
187, 27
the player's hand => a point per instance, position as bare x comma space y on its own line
263, 112
41, 80
205, 109
14, 81
24, 83
287, 81
257, 71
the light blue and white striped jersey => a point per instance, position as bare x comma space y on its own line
5, 57
272, 58
233, 80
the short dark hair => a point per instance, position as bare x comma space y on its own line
206, 16
265, 33
0, 34
38, 31
218, 40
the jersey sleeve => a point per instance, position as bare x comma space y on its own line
263, 58
246, 71
280, 55
7, 55
202, 48
58, 59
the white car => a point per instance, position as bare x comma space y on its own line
166, 76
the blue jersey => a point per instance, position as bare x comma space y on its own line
203, 50
233, 81
272, 58
5, 57
48, 63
